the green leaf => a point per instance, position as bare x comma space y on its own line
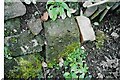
53, 14
74, 75
68, 13
58, 0
74, 67
82, 75
65, 6
62, 13
50, 2
66, 74
9, 57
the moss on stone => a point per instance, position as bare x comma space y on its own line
68, 49
29, 66
100, 37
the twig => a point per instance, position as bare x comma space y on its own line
44, 71
98, 3
37, 9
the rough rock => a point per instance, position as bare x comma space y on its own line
35, 26
24, 43
12, 27
24, 66
89, 11
14, 8
114, 35
60, 34
9, 66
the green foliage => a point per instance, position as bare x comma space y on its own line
68, 49
7, 53
27, 67
57, 8
75, 65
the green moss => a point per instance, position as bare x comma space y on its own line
29, 66
100, 37
68, 49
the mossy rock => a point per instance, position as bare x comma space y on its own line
24, 43
12, 27
27, 66
59, 35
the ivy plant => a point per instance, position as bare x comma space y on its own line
75, 65
57, 8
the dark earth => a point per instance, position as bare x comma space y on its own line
105, 61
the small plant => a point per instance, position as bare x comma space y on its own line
57, 8
7, 53
75, 65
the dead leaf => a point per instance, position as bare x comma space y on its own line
87, 3
45, 16
86, 30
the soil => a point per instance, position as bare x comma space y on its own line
96, 59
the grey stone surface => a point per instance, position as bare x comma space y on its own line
24, 43
12, 27
89, 11
35, 26
114, 35
60, 34
14, 9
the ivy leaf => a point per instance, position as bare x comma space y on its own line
53, 14
73, 67
65, 6
50, 2
58, 0
68, 13
66, 74
74, 75
82, 76
62, 13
